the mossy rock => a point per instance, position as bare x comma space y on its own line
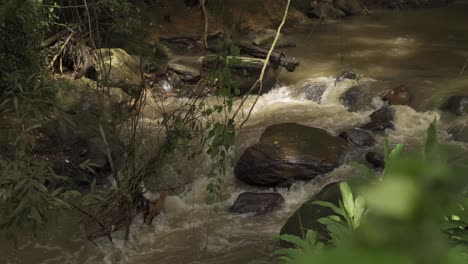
117, 68
76, 95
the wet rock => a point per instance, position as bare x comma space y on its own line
264, 38
117, 68
381, 119
288, 152
350, 7
307, 216
187, 73
398, 96
246, 71
458, 105
325, 9
459, 133
152, 66
313, 91
355, 99
347, 75
375, 159
358, 137
259, 203
96, 152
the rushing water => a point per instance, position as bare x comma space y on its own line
424, 50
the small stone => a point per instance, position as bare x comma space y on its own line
381, 119
398, 96
359, 137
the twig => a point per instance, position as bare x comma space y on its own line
464, 68
314, 27
51, 65
267, 60
109, 156
52, 39
205, 18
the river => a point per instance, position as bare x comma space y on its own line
425, 50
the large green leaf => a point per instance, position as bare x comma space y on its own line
359, 211
348, 199
335, 208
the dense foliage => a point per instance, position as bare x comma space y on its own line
415, 214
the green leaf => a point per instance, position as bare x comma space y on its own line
359, 211
396, 197
295, 240
431, 140
366, 171
335, 208
348, 199
396, 151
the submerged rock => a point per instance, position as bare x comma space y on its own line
358, 137
313, 91
381, 119
398, 96
259, 203
289, 152
458, 105
307, 216
347, 75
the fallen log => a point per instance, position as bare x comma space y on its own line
54, 38
277, 57
191, 38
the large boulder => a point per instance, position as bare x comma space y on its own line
458, 105
76, 96
381, 119
350, 7
307, 216
288, 152
116, 68
325, 9
245, 72
259, 203
398, 96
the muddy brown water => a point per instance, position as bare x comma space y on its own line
424, 50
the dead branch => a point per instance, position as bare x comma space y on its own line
54, 38
276, 57
51, 65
